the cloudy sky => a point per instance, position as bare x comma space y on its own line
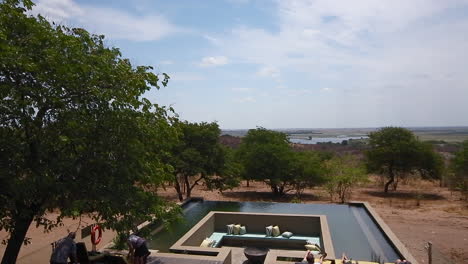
293, 64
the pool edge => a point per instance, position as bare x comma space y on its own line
397, 244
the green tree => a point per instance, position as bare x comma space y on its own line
343, 173
75, 133
229, 174
306, 171
197, 156
396, 152
265, 156
459, 165
431, 163
393, 151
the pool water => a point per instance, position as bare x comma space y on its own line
352, 229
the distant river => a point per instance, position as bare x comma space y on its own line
316, 140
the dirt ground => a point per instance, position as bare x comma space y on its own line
441, 217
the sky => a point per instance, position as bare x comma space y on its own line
292, 63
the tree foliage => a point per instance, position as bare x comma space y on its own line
343, 173
396, 152
198, 156
306, 171
459, 165
265, 157
75, 132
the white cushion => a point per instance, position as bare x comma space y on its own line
311, 247
242, 230
206, 243
269, 230
230, 229
276, 231
236, 230
287, 234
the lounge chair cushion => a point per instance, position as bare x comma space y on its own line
236, 230
311, 247
276, 231
207, 243
230, 229
242, 230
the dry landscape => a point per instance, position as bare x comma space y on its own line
441, 217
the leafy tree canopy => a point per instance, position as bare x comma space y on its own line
197, 156
75, 132
395, 151
343, 173
459, 166
306, 170
265, 155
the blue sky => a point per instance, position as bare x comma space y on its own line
293, 64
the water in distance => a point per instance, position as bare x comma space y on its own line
315, 140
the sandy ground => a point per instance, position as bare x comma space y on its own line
40, 248
440, 218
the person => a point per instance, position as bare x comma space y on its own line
138, 250
310, 258
65, 248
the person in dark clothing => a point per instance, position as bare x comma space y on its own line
65, 248
138, 250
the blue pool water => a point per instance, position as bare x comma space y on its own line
352, 229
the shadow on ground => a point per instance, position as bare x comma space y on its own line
268, 196
406, 195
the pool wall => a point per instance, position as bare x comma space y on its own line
395, 242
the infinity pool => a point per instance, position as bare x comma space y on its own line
352, 229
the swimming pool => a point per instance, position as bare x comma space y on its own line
352, 229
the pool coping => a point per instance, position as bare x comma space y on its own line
388, 233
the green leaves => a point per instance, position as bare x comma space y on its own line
198, 154
395, 151
75, 132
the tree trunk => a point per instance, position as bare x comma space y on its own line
177, 187
187, 186
17, 237
248, 183
392, 179
274, 189
281, 190
395, 185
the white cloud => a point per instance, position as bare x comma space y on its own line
377, 52
214, 61
268, 71
326, 89
111, 22
247, 99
